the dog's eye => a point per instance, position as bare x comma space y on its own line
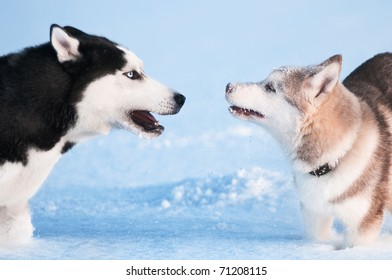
133, 75
270, 87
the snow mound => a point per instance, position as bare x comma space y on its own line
249, 188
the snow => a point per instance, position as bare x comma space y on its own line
211, 187
250, 214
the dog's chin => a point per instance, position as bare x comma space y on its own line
142, 123
245, 114
142, 132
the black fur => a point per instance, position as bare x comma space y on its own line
67, 146
372, 82
38, 94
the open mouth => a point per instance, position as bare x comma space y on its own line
244, 112
146, 121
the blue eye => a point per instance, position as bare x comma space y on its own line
133, 75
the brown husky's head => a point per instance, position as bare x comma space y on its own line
292, 100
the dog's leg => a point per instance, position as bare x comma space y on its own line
318, 227
366, 232
15, 224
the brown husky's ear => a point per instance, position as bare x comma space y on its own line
319, 84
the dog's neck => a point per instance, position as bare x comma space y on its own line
329, 133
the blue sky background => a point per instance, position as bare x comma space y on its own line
211, 187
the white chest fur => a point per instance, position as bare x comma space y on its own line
19, 182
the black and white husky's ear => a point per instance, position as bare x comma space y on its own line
65, 45
324, 80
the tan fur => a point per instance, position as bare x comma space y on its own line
367, 179
334, 118
387, 114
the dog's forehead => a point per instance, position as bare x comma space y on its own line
291, 79
132, 61
285, 73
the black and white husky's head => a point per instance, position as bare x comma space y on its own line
113, 89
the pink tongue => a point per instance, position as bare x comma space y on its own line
144, 116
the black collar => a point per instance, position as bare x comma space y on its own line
322, 170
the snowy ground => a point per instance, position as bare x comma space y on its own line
252, 214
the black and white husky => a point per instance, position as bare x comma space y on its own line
57, 94
338, 137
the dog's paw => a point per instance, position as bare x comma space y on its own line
16, 230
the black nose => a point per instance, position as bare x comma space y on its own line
179, 98
230, 87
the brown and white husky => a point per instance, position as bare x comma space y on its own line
338, 137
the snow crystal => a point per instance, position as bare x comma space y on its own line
165, 204
178, 192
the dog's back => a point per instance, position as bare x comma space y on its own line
33, 102
372, 82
